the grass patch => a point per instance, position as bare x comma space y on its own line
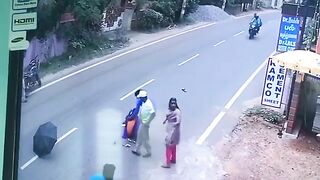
267, 114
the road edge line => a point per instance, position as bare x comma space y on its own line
25, 165
219, 117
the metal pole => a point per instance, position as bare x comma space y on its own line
12, 129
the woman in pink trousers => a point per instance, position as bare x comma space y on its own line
173, 120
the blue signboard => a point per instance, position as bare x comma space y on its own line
288, 33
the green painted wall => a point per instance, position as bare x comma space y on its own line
5, 6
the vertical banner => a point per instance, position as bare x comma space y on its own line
288, 33
273, 85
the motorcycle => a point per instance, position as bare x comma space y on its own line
31, 76
253, 30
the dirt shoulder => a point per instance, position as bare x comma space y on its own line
254, 151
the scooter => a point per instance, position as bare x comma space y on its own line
253, 30
31, 75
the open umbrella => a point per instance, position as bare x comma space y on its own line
44, 139
300, 60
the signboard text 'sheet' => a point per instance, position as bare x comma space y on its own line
24, 21
273, 85
24, 4
288, 33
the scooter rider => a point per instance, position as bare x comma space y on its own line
256, 22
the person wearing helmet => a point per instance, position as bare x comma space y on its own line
256, 20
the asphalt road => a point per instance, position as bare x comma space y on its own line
211, 63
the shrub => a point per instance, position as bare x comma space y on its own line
310, 33
167, 8
149, 19
192, 6
211, 2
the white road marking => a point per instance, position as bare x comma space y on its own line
213, 124
188, 59
131, 92
216, 120
29, 162
244, 86
66, 135
120, 55
220, 43
238, 34
36, 157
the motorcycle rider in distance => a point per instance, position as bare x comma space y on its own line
256, 22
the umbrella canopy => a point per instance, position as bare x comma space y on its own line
300, 60
44, 139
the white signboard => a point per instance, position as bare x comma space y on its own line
273, 85
18, 41
24, 21
24, 4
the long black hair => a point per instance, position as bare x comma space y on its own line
173, 101
137, 92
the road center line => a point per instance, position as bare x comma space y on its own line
120, 55
36, 157
188, 59
218, 118
131, 92
220, 43
238, 34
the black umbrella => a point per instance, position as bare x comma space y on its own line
44, 139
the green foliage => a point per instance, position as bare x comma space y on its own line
211, 2
192, 6
88, 13
140, 4
310, 33
267, 114
149, 19
48, 15
85, 31
233, 3
167, 8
